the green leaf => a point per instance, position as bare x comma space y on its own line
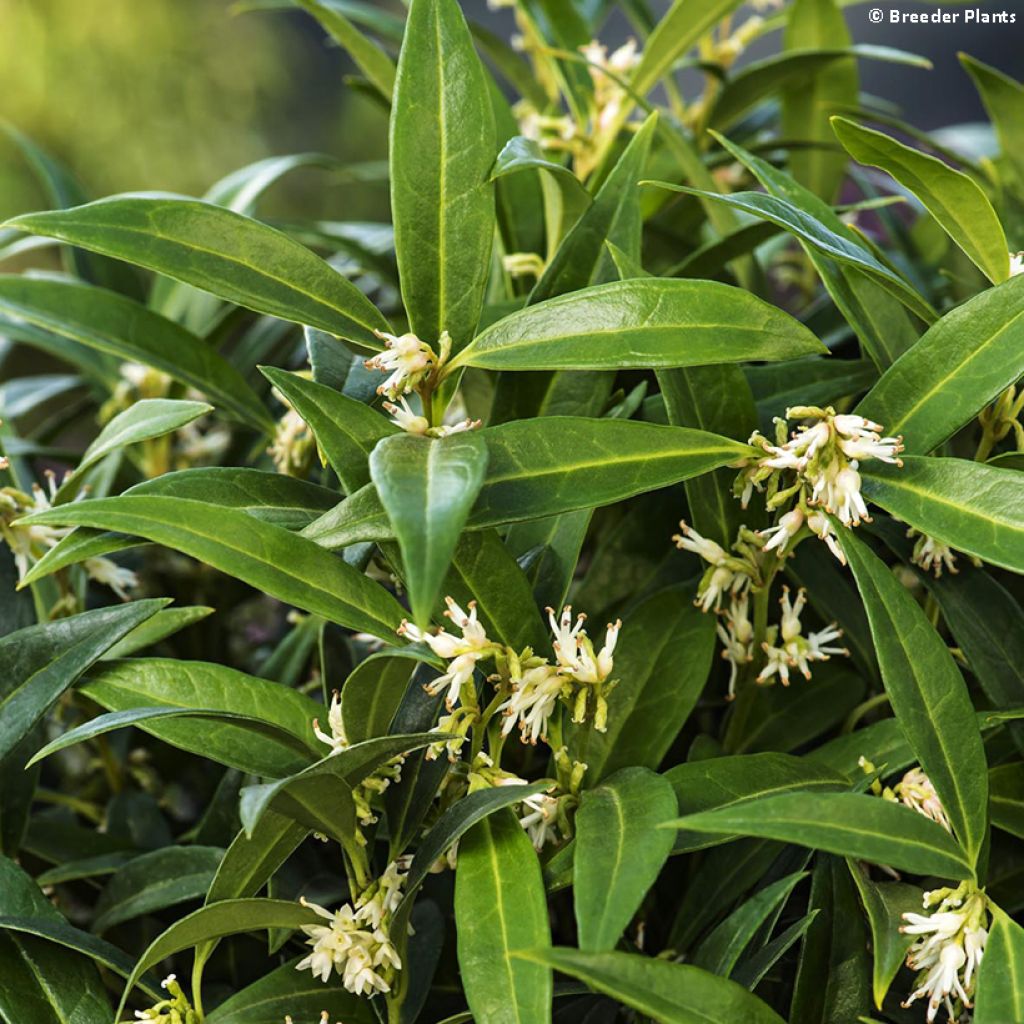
112, 324
721, 950
850, 824
146, 419
840, 246
974, 508
428, 486
154, 881
581, 260
500, 907
1006, 798
221, 252
960, 365
751, 972
727, 781
229, 917
950, 196
267, 557
373, 691
885, 903
371, 60
316, 796
42, 662
640, 323
345, 430
662, 661
670, 993
619, 852
443, 146
681, 27
284, 744
1000, 995
1004, 100
165, 623
287, 991
543, 467
807, 105
927, 693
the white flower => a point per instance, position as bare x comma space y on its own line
574, 651
787, 648
932, 554
540, 819
690, 540
916, 791
110, 574
736, 636
788, 527
337, 740
1016, 264
532, 702
949, 947
843, 498
404, 418
821, 526
292, 444
408, 361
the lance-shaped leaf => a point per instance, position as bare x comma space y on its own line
543, 467
641, 323
972, 507
928, 695
120, 327
267, 557
668, 992
619, 851
840, 246
499, 908
374, 690
950, 196
428, 486
443, 146
228, 917
221, 252
850, 824
146, 419
345, 430
42, 661
960, 365
1000, 995
1003, 97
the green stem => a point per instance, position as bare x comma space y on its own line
197, 986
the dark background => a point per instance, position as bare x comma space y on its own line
173, 94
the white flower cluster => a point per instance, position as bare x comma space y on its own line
293, 444
406, 418
408, 360
605, 68
579, 675
949, 947
375, 783
932, 554
176, 1009
357, 942
817, 468
29, 542
915, 790
785, 646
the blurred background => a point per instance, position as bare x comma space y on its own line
174, 94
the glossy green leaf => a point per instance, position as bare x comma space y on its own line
885, 903
229, 917
662, 660
752, 971
668, 992
428, 486
219, 251
346, 430
721, 950
1000, 995
640, 323
165, 623
927, 693
556, 464
582, 260
162, 878
112, 324
443, 146
955, 200
972, 507
850, 824
619, 852
500, 908
1003, 97
283, 744
726, 781
964, 362
267, 557
42, 662
1006, 798
840, 246
373, 691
